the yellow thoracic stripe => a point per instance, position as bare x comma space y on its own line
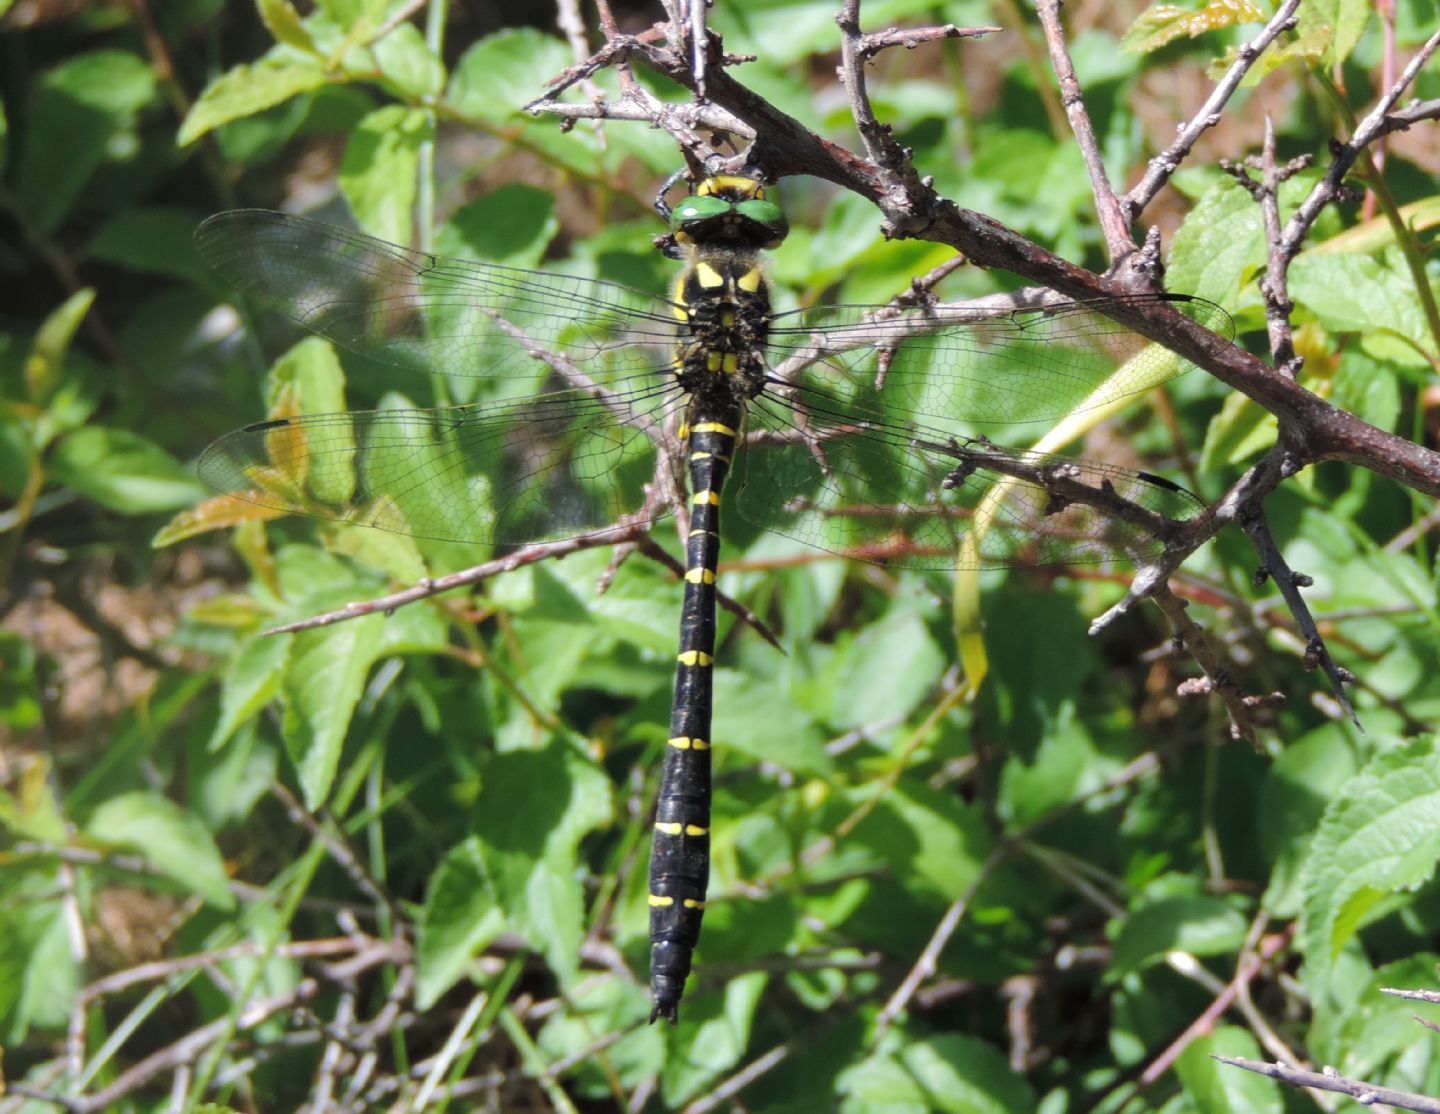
750, 280
713, 427
700, 576
708, 276
737, 182
684, 742
694, 657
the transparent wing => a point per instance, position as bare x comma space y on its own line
429, 313
980, 363
840, 479
563, 464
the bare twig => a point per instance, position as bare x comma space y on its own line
1164, 165
1329, 1079
1114, 222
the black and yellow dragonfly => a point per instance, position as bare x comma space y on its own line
848, 428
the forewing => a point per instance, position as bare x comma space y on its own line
430, 313
978, 364
846, 481
559, 465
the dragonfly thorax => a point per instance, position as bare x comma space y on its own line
726, 305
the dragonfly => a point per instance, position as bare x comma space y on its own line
848, 428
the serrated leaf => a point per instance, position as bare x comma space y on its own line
1339, 22
1220, 242
246, 90
1162, 24
378, 173
1359, 294
321, 687
1309, 49
460, 918
1379, 836
251, 681
171, 839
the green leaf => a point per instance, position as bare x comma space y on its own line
1359, 294
1340, 22
1162, 24
1379, 836
1221, 241
39, 974
47, 354
460, 918
320, 689
156, 240
406, 63
246, 90
899, 649
89, 104
378, 174
171, 839
933, 842
20, 707
251, 682
535, 807
123, 471
1241, 430
503, 71
1193, 923
760, 721
711, 1040
284, 23
953, 1073
513, 225
1216, 1088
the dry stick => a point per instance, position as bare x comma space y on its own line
929, 959
1212, 1013
747, 1075
1366, 1094
188, 1048
1163, 165
1119, 244
1192, 637
1289, 584
873, 42
430, 586
339, 849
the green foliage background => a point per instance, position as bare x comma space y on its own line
489, 757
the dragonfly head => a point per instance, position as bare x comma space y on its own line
729, 210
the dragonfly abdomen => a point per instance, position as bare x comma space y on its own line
680, 858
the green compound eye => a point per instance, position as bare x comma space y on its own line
696, 209
765, 213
